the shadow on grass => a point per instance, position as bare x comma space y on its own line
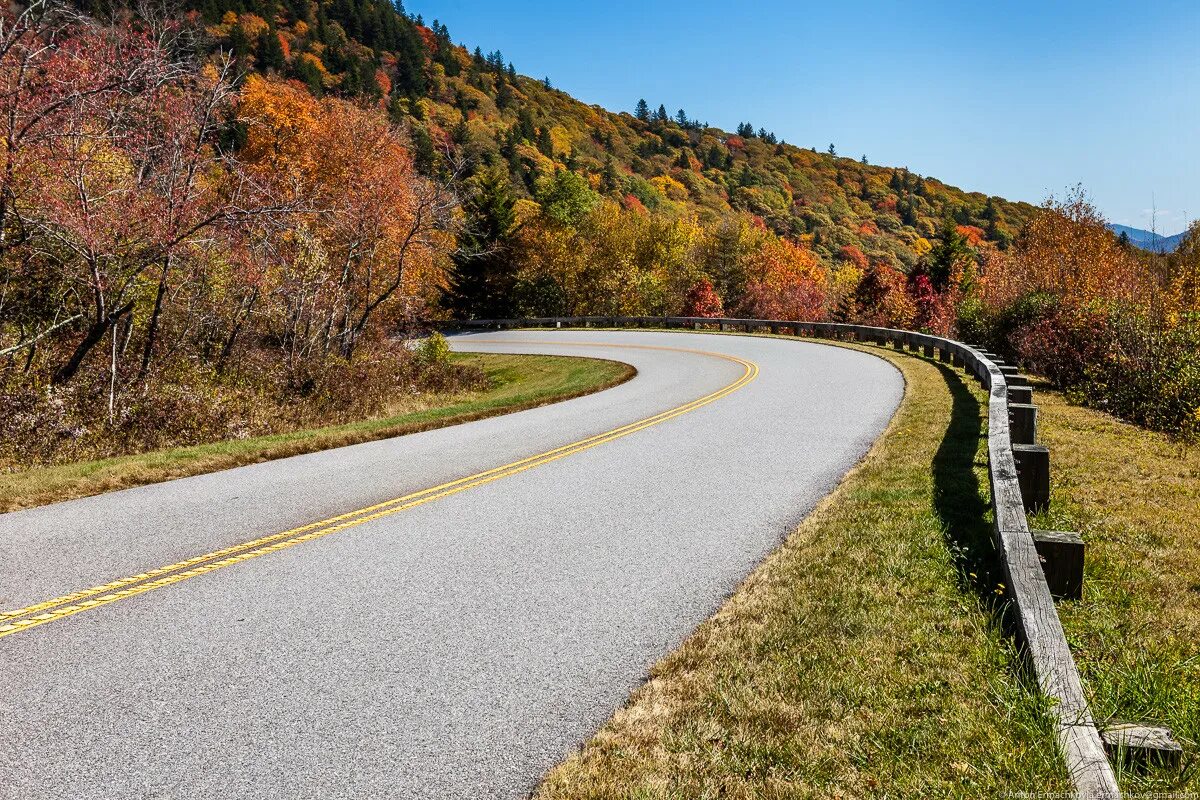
958, 498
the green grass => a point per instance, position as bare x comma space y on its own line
1134, 495
863, 658
515, 382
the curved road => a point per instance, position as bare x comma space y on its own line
382, 640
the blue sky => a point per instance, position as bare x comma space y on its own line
1016, 99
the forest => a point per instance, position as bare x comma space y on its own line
230, 219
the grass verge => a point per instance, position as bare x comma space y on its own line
861, 659
1135, 496
516, 382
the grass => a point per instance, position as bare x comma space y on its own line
861, 659
1135, 496
516, 382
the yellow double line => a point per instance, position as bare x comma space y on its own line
33, 616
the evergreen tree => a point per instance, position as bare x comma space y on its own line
952, 248
483, 274
681, 118
684, 161
832, 149
864, 159
661, 114
270, 51
424, 153
544, 143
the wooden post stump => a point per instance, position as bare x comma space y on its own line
1033, 474
1142, 744
1062, 554
1022, 423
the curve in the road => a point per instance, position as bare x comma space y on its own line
457, 650
63, 606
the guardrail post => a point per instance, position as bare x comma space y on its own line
1033, 475
1020, 394
944, 355
1022, 423
927, 350
1061, 554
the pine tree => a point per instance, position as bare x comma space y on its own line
681, 118
661, 114
483, 275
684, 161
270, 51
642, 111
832, 149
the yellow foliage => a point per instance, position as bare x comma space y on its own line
921, 246
671, 188
253, 25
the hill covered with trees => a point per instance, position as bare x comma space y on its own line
476, 107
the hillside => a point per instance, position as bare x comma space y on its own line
1149, 240
470, 105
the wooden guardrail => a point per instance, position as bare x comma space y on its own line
1019, 473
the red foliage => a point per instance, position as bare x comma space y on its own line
633, 204
887, 205
935, 311
855, 256
703, 301
735, 143
1063, 344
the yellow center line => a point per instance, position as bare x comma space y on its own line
38, 614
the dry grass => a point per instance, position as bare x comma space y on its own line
861, 659
516, 382
1135, 497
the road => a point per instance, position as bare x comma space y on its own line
453, 643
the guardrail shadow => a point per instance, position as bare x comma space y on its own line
958, 498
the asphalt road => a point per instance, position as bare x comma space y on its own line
454, 645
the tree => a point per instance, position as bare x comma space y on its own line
703, 301
483, 276
949, 255
270, 51
642, 111
661, 114
832, 149
681, 118
566, 198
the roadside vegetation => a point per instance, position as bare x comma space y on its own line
861, 659
1134, 495
502, 384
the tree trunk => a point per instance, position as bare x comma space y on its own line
155, 315
92, 338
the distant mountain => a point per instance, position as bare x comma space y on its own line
1147, 240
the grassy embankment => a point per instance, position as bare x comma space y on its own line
861, 659
516, 382
1135, 497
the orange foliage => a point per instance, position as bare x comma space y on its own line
1068, 251
784, 281
974, 235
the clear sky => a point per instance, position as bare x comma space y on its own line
1018, 99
